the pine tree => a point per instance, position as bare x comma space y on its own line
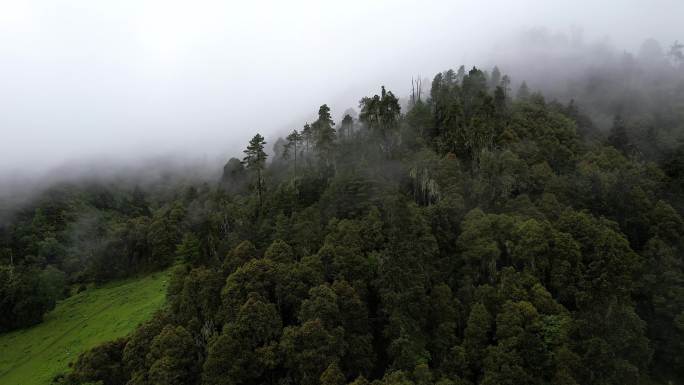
506, 85
495, 78
293, 141
324, 134
523, 91
255, 161
618, 135
307, 136
347, 126
381, 115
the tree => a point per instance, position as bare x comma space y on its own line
279, 251
506, 85
444, 322
189, 250
307, 136
238, 256
255, 161
27, 293
463, 116
347, 126
416, 90
460, 74
101, 364
138, 346
194, 297
309, 349
163, 233
523, 91
333, 375
618, 135
233, 174
676, 52
499, 101
495, 78
380, 113
174, 358
324, 134
321, 305
293, 140
246, 349
476, 336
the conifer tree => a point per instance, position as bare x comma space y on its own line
255, 161
618, 135
523, 91
324, 134
347, 126
294, 141
307, 136
381, 115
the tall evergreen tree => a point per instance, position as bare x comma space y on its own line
618, 135
523, 91
347, 126
294, 141
307, 136
380, 113
255, 161
495, 78
324, 134
506, 85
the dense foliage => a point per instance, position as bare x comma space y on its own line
478, 238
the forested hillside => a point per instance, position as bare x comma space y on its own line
478, 235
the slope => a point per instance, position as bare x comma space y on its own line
35, 355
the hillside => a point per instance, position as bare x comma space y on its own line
35, 355
471, 238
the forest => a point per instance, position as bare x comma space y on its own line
470, 234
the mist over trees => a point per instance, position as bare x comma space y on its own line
486, 233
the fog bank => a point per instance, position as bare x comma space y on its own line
88, 85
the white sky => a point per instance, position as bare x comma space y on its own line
125, 79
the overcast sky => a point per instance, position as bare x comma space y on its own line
85, 80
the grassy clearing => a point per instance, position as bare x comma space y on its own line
35, 355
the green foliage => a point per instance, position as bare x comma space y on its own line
279, 251
332, 375
27, 293
324, 136
172, 357
189, 250
34, 356
255, 161
380, 114
101, 364
479, 238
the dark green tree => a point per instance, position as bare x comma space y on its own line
294, 141
347, 126
523, 91
255, 161
173, 357
380, 114
618, 135
324, 135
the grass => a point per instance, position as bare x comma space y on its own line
35, 355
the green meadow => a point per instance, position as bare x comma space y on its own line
33, 356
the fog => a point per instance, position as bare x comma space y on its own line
97, 86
